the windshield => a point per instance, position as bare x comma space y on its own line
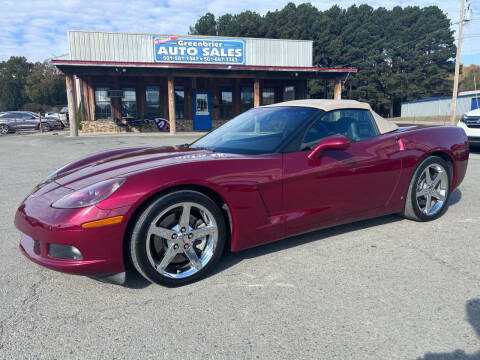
257, 131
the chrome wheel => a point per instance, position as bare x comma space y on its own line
432, 189
3, 129
182, 240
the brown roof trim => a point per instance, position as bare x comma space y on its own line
199, 66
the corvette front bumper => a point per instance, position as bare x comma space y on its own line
100, 248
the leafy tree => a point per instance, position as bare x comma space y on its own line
30, 86
13, 74
206, 25
45, 85
401, 54
470, 79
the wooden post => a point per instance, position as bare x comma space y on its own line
91, 96
116, 102
237, 97
457, 66
141, 98
301, 89
188, 99
256, 93
72, 114
171, 105
337, 91
85, 98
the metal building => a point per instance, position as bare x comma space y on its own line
196, 82
441, 106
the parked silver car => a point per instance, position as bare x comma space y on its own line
12, 121
62, 115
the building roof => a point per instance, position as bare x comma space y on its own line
384, 125
470, 93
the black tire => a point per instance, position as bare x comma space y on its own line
138, 239
4, 129
412, 209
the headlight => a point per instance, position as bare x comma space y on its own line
463, 118
90, 195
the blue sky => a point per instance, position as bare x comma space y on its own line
37, 29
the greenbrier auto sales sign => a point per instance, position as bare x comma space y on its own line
172, 49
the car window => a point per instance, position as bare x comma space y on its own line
356, 124
257, 131
16, 115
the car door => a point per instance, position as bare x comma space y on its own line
31, 122
342, 184
17, 121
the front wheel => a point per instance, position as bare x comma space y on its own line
4, 129
429, 190
178, 238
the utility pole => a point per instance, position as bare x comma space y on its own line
457, 65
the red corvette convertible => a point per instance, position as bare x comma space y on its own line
270, 173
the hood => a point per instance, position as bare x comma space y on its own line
475, 112
126, 162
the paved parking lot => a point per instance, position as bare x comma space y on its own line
386, 288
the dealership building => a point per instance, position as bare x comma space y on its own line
195, 82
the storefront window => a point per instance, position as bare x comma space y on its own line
226, 104
268, 96
153, 110
103, 109
288, 93
179, 102
246, 98
129, 103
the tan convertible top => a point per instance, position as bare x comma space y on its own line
384, 126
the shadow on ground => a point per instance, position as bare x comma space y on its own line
131, 279
473, 315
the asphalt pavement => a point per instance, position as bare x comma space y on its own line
386, 288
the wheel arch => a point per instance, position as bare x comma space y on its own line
443, 154
208, 192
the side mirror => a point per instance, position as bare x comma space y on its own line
337, 142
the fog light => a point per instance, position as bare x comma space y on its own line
64, 252
36, 247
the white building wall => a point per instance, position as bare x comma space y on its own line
129, 47
437, 107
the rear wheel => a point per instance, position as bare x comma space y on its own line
429, 190
45, 127
4, 129
178, 238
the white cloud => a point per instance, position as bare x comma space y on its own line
37, 29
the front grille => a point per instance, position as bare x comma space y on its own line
472, 122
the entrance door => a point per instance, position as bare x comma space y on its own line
475, 103
202, 110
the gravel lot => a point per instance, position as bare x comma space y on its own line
386, 288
